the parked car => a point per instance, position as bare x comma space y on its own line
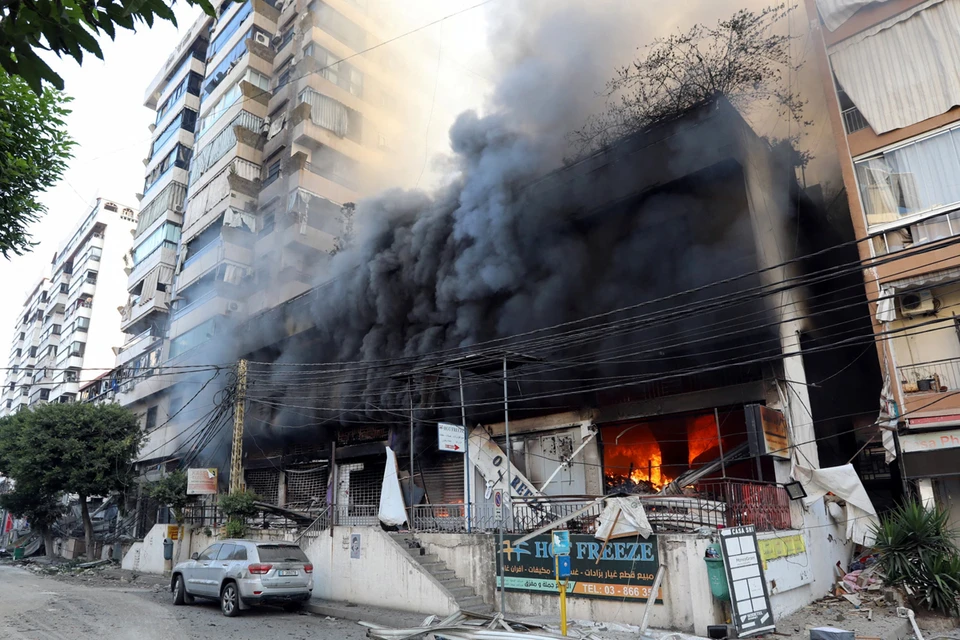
244, 573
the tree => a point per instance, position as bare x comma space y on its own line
171, 490
741, 58
34, 150
76, 448
41, 509
238, 507
69, 27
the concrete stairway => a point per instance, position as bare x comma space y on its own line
467, 599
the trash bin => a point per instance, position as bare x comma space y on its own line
167, 549
716, 573
18, 553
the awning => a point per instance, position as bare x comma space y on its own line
843, 482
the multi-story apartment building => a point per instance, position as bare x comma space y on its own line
890, 70
69, 327
263, 134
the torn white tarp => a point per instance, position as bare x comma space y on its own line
632, 519
886, 308
392, 511
836, 12
844, 483
887, 420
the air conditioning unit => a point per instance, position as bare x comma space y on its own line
233, 306
178, 208
917, 303
262, 38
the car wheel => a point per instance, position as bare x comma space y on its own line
179, 593
230, 600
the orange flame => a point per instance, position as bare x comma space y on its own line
701, 437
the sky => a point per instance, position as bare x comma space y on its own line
110, 123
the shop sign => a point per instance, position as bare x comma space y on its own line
752, 613
451, 437
934, 441
624, 569
201, 482
767, 431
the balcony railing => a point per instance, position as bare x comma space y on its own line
853, 120
764, 505
935, 376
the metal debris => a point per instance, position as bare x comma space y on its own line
464, 625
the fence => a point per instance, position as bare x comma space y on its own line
932, 376
764, 505
208, 515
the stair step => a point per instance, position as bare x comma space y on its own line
471, 603
452, 583
462, 592
430, 558
442, 574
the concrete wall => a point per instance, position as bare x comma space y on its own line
687, 602
146, 556
384, 575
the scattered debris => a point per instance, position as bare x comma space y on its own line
465, 625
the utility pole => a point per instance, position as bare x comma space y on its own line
468, 471
239, 402
412, 485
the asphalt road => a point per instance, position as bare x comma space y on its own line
38, 607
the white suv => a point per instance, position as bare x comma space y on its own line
243, 573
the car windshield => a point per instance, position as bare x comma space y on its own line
281, 553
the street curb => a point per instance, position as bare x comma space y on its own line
356, 613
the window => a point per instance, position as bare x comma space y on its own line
92, 277
52, 350
229, 29
239, 552
178, 157
186, 119
167, 234
281, 552
151, 421
340, 73
209, 553
77, 349
266, 223
916, 177
81, 324
226, 550
337, 25
192, 338
9, 404
273, 172
64, 287
24, 390
71, 375
16, 368
110, 207
44, 394
23, 334
33, 352
216, 76
190, 84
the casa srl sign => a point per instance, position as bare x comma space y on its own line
624, 568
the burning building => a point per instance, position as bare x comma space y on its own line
643, 316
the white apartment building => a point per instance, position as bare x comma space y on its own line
69, 328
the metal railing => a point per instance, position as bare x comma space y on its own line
931, 376
316, 527
764, 505
853, 120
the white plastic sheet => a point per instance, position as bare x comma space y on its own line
843, 482
392, 511
631, 521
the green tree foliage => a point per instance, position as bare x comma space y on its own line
171, 490
238, 507
917, 549
34, 150
69, 27
77, 448
742, 58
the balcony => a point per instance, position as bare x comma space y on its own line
164, 254
137, 346
930, 392
140, 310
853, 120
210, 256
